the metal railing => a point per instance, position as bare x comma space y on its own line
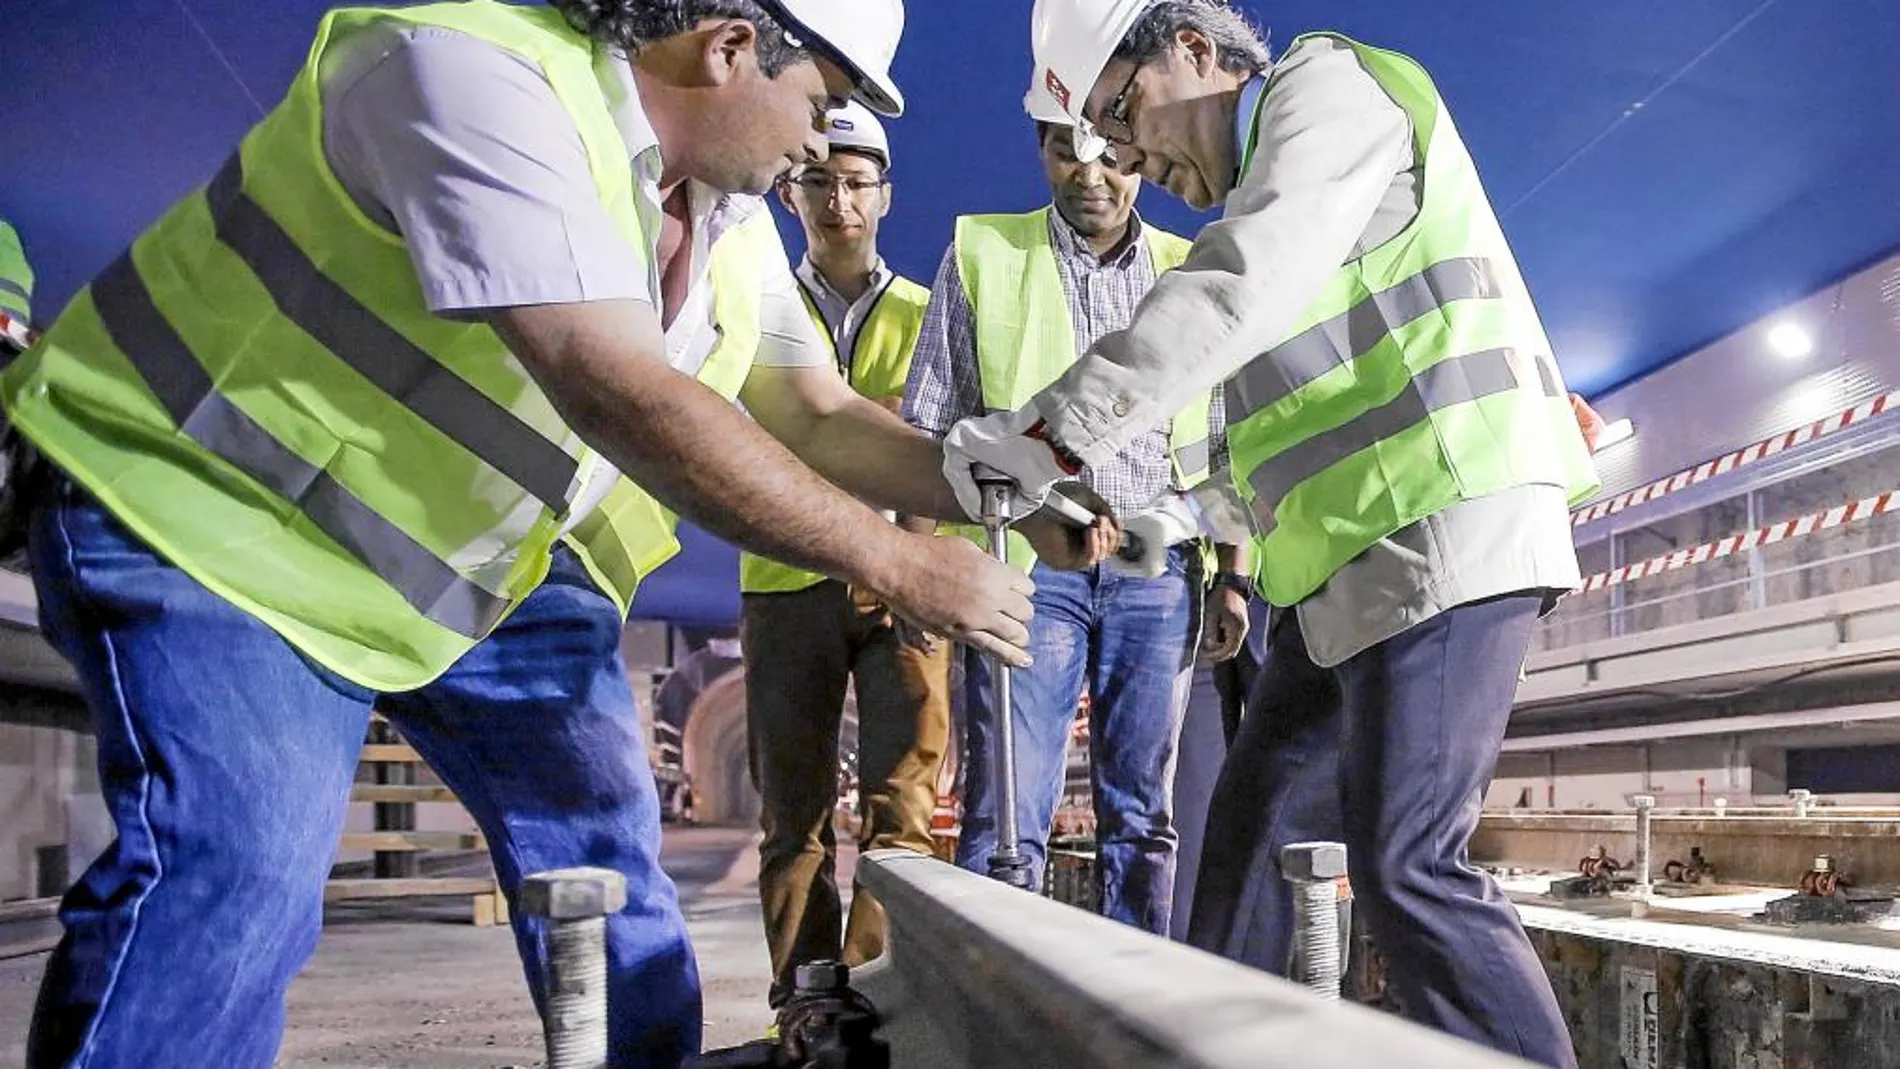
1848, 557
1584, 618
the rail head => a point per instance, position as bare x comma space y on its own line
1008, 978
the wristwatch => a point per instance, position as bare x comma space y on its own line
1234, 581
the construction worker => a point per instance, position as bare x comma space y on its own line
398, 410
1404, 453
1016, 300
807, 637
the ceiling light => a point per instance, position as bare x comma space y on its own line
1790, 341
1621, 430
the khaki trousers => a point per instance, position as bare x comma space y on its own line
801, 650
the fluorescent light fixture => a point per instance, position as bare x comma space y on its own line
1790, 341
1621, 430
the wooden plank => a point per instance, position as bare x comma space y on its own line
391, 753
377, 792
391, 841
347, 890
488, 910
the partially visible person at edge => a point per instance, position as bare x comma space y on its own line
807, 638
397, 411
1016, 300
1404, 457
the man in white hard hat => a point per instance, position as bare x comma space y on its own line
397, 411
1017, 299
1404, 455
807, 637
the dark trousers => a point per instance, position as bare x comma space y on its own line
801, 651
1390, 753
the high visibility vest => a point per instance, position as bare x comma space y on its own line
16, 278
879, 366
258, 390
1421, 376
1025, 338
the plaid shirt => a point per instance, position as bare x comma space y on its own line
944, 386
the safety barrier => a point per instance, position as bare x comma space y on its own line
980, 974
1829, 527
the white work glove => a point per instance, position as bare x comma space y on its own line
1001, 441
1147, 535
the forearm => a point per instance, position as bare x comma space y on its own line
871, 453
1237, 559
695, 453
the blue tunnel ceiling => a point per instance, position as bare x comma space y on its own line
1667, 172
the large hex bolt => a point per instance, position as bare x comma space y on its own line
575, 903
1802, 800
1645, 809
1314, 870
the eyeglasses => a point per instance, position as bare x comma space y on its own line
1114, 125
818, 184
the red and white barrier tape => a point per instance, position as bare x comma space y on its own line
1740, 458
1741, 543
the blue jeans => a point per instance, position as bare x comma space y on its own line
226, 760
1131, 643
1390, 753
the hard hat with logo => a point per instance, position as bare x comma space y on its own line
1073, 41
854, 128
859, 35
1041, 105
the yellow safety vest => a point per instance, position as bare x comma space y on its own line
1421, 377
259, 391
16, 277
1025, 339
879, 366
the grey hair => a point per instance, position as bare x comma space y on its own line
1239, 47
632, 24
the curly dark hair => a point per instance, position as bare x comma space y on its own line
629, 24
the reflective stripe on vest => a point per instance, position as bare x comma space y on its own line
1025, 338
1419, 378
258, 390
880, 361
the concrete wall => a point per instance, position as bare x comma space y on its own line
1678, 772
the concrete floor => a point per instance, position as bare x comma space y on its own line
413, 986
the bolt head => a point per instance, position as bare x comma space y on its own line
1313, 861
822, 977
573, 894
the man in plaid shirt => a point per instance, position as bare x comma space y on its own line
1017, 299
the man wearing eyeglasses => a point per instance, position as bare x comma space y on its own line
807, 637
1403, 456
1017, 299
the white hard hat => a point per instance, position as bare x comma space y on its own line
854, 127
860, 35
1073, 41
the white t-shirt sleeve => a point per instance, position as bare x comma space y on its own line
462, 147
788, 337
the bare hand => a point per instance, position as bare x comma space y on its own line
950, 587
909, 633
1224, 625
1588, 421
1065, 547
